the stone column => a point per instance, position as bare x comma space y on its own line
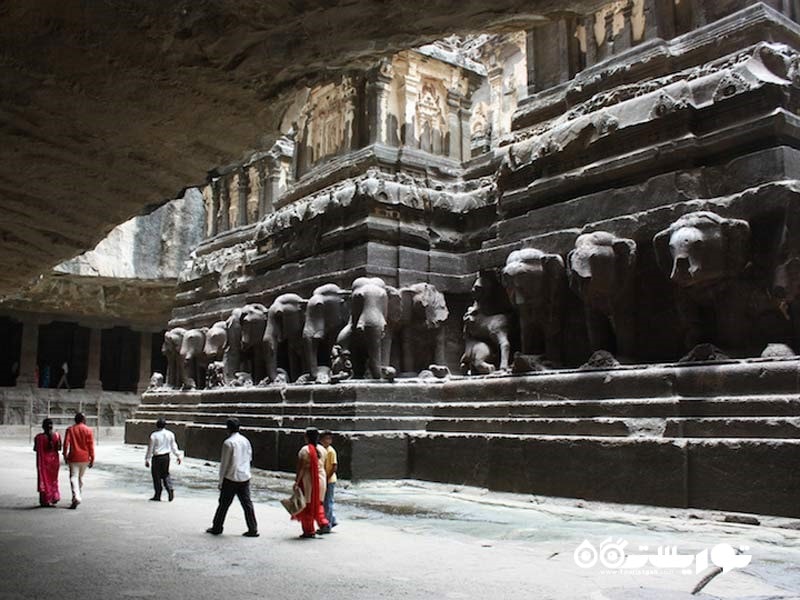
224, 205
410, 95
264, 206
243, 190
378, 94
145, 350
28, 353
214, 217
95, 352
464, 115
453, 124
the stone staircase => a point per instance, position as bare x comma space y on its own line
717, 435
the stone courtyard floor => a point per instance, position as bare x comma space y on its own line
402, 539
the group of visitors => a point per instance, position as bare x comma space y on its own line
315, 479
316, 472
78, 452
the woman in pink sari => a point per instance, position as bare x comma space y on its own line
312, 479
47, 445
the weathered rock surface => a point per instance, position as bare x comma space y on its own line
107, 108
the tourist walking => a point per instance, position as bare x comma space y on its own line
331, 466
234, 480
79, 455
47, 445
311, 479
162, 442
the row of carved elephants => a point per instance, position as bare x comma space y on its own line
701, 253
362, 321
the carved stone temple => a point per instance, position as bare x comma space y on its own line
561, 261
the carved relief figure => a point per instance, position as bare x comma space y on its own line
535, 282
285, 319
233, 346
171, 349
424, 312
703, 254
601, 271
326, 315
253, 321
430, 119
487, 324
375, 310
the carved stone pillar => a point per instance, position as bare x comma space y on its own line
410, 95
29, 350
454, 124
264, 201
214, 220
145, 350
378, 103
93, 368
464, 114
243, 191
625, 38
224, 205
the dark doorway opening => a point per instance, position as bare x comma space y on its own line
11, 334
119, 359
61, 342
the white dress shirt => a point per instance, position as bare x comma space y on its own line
162, 441
237, 453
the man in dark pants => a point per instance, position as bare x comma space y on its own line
234, 479
162, 442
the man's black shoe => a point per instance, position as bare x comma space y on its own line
154, 499
250, 534
213, 531
171, 494
324, 530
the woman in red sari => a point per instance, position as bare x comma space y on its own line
47, 445
312, 479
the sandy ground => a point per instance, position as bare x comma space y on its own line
395, 540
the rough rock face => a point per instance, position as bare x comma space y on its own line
109, 107
130, 275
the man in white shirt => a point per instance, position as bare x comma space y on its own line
162, 442
234, 480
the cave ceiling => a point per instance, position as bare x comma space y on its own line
108, 107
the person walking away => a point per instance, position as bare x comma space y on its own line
234, 480
311, 479
78, 454
331, 466
47, 445
64, 381
162, 442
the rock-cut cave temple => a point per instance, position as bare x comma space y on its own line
557, 258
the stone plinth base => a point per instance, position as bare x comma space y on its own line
714, 436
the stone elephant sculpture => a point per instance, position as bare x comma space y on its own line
601, 269
285, 320
536, 283
253, 323
327, 313
487, 328
171, 349
422, 335
375, 312
192, 357
703, 254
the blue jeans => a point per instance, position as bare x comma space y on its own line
327, 504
